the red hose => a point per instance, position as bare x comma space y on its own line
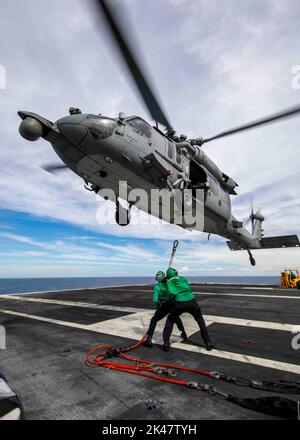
139, 367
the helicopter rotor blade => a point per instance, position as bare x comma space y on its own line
53, 168
252, 213
250, 218
247, 220
118, 31
267, 120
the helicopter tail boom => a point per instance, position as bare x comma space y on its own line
280, 241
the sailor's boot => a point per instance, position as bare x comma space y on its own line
147, 342
166, 346
184, 336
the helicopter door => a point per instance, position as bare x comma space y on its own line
175, 155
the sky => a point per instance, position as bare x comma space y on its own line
214, 64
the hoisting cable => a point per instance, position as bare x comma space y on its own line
175, 245
273, 405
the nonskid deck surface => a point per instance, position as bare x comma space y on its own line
48, 335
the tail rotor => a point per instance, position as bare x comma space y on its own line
251, 217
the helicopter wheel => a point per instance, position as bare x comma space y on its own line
252, 261
122, 216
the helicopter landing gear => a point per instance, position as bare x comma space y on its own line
122, 215
251, 258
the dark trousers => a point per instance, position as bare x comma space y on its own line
161, 313
191, 307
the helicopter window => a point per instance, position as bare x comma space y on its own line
178, 156
170, 150
140, 126
173, 153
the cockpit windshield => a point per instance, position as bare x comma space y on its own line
141, 126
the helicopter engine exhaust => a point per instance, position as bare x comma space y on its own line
31, 129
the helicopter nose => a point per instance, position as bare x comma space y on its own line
72, 128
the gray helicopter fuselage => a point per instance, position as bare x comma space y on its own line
104, 151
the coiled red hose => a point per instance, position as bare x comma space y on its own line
98, 356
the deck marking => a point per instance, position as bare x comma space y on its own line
75, 289
260, 288
250, 323
251, 295
124, 323
134, 332
75, 304
42, 318
24, 294
116, 326
135, 326
268, 363
254, 295
146, 312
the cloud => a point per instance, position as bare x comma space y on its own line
129, 250
94, 258
184, 269
68, 249
216, 64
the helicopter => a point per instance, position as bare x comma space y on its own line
104, 151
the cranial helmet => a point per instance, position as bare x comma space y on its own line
160, 276
171, 272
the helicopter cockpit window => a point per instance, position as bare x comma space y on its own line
170, 150
140, 126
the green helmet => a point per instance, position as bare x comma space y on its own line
160, 276
171, 272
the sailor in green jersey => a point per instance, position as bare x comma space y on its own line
182, 300
161, 302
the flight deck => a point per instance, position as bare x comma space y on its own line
48, 335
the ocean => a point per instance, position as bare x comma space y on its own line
27, 285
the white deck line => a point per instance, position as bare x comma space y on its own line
115, 287
261, 288
250, 323
75, 289
211, 318
131, 319
251, 295
43, 319
253, 360
74, 304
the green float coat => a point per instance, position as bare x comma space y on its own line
160, 294
178, 287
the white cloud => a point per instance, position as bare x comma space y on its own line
184, 269
217, 64
101, 259
130, 250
